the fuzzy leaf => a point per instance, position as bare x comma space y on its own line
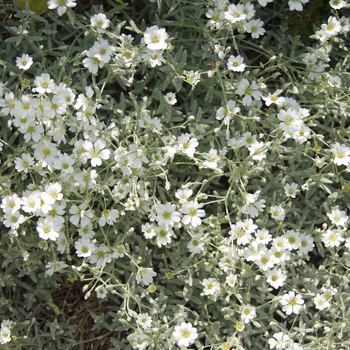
38, 6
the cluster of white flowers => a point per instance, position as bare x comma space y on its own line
192, 186
238, 16
332, 28
151, 50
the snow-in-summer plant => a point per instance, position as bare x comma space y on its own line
175, 174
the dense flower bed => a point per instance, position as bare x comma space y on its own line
175, 174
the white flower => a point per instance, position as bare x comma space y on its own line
96, 152
235, 63
5, 335
291, 302
320, 35
24, 62
198, 131
144, 320
249, 226
148, 230
231, 280
52, 193
249, 10
185, 334
238, 233
228, 111
220, 50
11, 204
86, 178
45, 152
338, 217
145, 275
48, 229
273, 98
167, 214
212, 159
280, 255
264, 2
163, 235
155, 38
337, 4
136, 155
100, 256
139, 340
290, 120
347, 242
277, 213
193, 77
211, 286
254, 251
266, 261
332, 27
306, 244
235, 143
62, 243
321, 302
102, 50
279, 341
263, 236
228, 261
275, 277
170, 98
192, 215
7, 323
183, 194
248, 139
249, 90
8, 104
92, 62
25, 111
101, 292
329, 292
187, 145
80, 215
153, 57
215, 18
248, 312
252, 204
118, 252
297, 5
196, 246
64, 162
291, 190
334, 81
292, 240
257, 150
61, 5
255, 27
235, 13
55, 266
332, 238
345, 24
44, 84
341, 154
100, 22
31, 204
320, 162
84, 247
108, 216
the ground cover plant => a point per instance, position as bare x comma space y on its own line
174, 174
